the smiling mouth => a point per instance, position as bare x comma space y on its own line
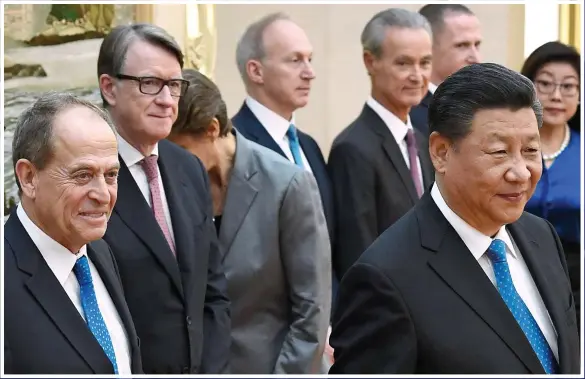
512, 197
93, 215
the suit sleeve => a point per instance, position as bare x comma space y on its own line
306, 255
216, 312
372, 329
354, 183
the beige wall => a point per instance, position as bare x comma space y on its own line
341, 86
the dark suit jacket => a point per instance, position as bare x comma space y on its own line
372, 184
419, 115
179, 305
418, 302
44, 332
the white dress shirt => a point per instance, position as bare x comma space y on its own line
132, 159
432, 88
61, 262
277, 127
398, 130
478, 243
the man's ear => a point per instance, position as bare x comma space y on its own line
108, 88
439, 149
255, 71
26, 174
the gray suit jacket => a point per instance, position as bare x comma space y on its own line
277, 261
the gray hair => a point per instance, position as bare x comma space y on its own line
116, 44
33, 136
251, 44
375, 30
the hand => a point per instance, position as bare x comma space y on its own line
328, 349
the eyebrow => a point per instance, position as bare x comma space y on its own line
564, 77
502, 138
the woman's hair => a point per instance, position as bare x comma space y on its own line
554, 52
201, 103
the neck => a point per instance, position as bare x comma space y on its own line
460, 208
220, 173
268, 102
29, 209
551, 137
399, 111
436, 79
144, 148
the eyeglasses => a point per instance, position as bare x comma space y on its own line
151, 85
547, 87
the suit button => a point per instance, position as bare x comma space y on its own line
188, 319
186, 370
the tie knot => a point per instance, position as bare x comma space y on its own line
150, 167
497, 251
81, 271
410, 138
292, 133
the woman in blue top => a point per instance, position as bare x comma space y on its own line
555, 70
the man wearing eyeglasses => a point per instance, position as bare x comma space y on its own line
161, 230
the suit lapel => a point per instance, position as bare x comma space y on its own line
135, 212
240, 196
391, 148
46, 289
457, 267
249, 125
426, 101
539, 268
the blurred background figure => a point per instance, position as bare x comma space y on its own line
555, 70
456, 42
273, 240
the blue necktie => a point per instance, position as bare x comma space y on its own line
497, 254
93, 316
295, 147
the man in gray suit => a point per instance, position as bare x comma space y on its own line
273, 235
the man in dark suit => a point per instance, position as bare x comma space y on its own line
161, 230
466, 282
64, 308
456, 43
274, 59
379, 164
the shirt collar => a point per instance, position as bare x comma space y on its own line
275, 125
432, 88
59, 259
396, 126
129, 154
476, 242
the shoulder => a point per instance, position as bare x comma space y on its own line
179, 157
273, 165
398, 248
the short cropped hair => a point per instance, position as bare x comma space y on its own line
479, 87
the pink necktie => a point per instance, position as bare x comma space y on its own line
412, 154
151, 169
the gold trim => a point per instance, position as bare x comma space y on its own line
144, 13
201, 38
570, 25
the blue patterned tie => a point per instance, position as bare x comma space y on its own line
497, 254
295, 147
93, 316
